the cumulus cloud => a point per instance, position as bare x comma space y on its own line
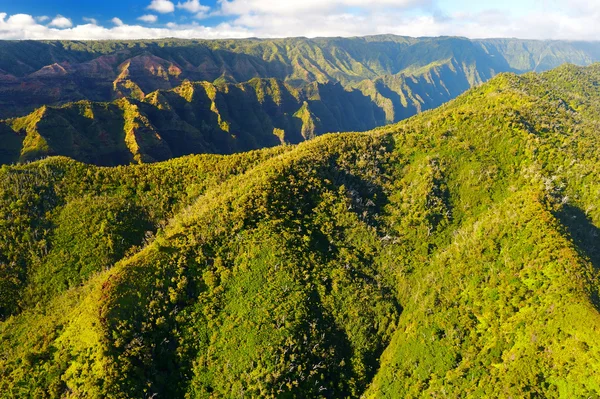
311, 18
148, 18
162, 6
61, 22
117, 21
18, 26
42, 18
579, 20
295, 7
19, 20
193, 6
92, 21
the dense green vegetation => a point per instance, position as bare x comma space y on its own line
59, 212
454, 254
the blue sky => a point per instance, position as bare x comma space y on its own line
133, 19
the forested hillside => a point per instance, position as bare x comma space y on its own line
454, 254
250, 93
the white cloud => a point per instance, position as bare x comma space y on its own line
148, 18
61, 22
20, 20
162, 6
23, 26
18, 26
311, 18
42, 18
92, 21
295, 7
579, 20
194, 6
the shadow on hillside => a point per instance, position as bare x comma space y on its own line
585, 235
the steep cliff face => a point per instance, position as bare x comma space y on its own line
195, 117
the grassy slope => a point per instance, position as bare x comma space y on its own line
452, 254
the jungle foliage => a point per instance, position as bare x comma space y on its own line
454, 254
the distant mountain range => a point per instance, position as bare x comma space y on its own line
174, 97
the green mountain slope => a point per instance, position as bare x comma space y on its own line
453, 254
